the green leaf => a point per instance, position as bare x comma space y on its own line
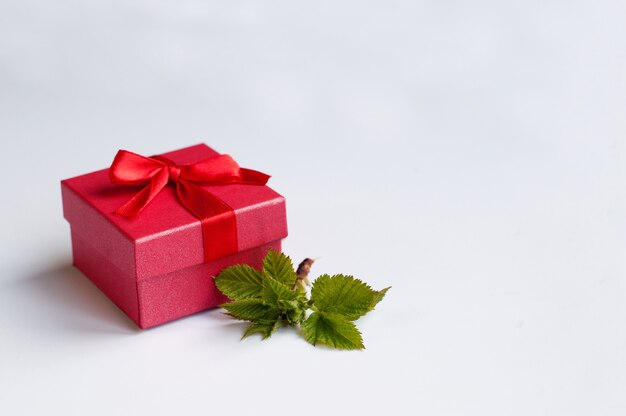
251, 310
333, 330
295, 316
273, 297
378, 297
265, 328
240, 282
345, 295
273, 291
294, 311
280, 267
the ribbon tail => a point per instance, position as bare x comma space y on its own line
219, 225
253, 177
137, 203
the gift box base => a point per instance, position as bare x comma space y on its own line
159, 299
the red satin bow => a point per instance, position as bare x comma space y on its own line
219, 227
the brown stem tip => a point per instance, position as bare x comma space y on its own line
304, 268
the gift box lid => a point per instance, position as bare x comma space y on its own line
165, 237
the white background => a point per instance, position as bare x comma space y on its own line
471, 154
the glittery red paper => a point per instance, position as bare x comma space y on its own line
152, 266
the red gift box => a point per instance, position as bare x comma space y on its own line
152, 265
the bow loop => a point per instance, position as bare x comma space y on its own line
132, 169
218, 170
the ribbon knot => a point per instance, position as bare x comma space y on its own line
172, 168
174, 172
219, 226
